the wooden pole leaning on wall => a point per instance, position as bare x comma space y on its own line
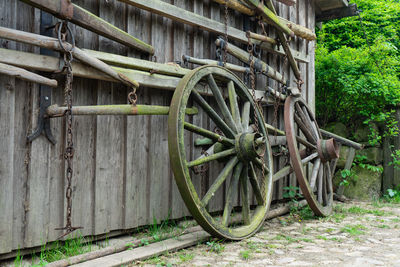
181, 15
297, 29
87, 20
244, 56
53, 44
26, 75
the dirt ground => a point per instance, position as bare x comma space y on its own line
357, 234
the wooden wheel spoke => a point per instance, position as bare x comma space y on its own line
206, 133
233, 102
304, 142
246, 116
307, 133
328, 178
244, 193
231, 194
216, 156
324, 185
314, 174
320, 182
304, 116
255, 185
221, 103
313, 125
213, 115
219, 181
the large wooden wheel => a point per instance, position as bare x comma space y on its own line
310, 155
245, 156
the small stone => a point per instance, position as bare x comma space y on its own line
300, 263
279, 252
285, 260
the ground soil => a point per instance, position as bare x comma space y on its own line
357, 234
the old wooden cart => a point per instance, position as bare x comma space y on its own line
237, 142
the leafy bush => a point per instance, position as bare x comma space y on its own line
354, 81
349, 85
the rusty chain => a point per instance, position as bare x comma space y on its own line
62, 32
226, 33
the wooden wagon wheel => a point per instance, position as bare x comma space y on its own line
242, 152
315, 177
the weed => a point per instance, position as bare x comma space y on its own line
322, 237
184, 257
272, 246
245, 254
63, 250
18, 259
329, 230
215, 246
383, 226
354, 230
360, 211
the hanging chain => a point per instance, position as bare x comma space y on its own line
226, 33
63, 29
132, 96
250, 50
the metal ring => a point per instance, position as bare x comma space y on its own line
59, 37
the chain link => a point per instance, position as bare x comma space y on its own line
63, 30
226, 33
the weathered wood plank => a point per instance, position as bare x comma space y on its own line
190, 18
7, 97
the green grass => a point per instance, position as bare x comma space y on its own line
185, 256
361, 211
245, 254
354, 230
215, 246
62, 250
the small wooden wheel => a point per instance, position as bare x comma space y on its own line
310, 155
243, 155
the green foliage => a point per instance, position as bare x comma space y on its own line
215, 246
347, 175
351, 87
245, 254
393, 195
381, 21
355, 81
291, 192
63, 250
360, 161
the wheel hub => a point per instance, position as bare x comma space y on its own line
328, 149
249, 146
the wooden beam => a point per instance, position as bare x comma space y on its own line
89, 21
298, 30
338, 13
181, 15
26, 75
146, 79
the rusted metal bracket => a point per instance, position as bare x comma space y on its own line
43, 123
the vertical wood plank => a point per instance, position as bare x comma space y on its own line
110, 136
137, 136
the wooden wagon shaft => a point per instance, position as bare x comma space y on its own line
298, 30
52, 64
285, 44
91, 22
55, 110
53, 44
342, 140
261, 37
181, 15
244, 56
270, 15
229, 66
26, 75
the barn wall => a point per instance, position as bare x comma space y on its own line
122, 174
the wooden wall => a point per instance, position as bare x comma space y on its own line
122, 174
